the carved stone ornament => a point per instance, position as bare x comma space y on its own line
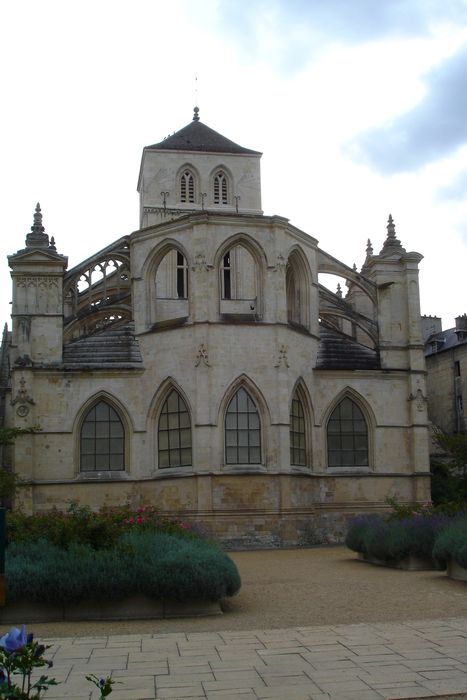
281, 262
202, 356
419, 398
22, 399
23, 361
282, 358
200, 264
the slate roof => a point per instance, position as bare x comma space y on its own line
445, 340
338, 351
111, 348
196, 136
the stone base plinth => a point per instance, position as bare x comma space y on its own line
410, 563
456, 571
134, 608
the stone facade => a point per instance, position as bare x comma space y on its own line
446, 360
198, 364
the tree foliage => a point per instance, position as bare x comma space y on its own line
449, 473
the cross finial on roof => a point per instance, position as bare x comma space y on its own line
196, 114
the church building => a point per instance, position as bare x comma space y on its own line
199, 365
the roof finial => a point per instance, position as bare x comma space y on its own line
196, 114
37, 238
339, 290
369, 249
392, 243
37, 225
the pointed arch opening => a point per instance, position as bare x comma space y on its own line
300, 429
102, 439
240, 264
174, 438
298, 282
169, 292
187, 186
347, 435
221, 187
242, 429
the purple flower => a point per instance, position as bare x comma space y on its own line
14, 640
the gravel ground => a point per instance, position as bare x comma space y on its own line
304, 587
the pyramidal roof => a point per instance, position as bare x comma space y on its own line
196, 136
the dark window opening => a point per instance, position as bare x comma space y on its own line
297, 433
227, 277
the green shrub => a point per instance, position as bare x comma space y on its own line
395, 538
451, 542
100, 530
157, 565
358, 531
77, 525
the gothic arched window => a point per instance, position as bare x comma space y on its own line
220, 188
347, 435
239, 274
187, 187
172, 276
242, 430
102, 439
297, 432
174, 433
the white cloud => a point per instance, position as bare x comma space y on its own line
90, 83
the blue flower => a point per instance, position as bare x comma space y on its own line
14, 640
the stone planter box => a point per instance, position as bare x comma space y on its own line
134, 608
456, 571
410, 563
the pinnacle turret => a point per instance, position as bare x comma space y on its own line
37, 238
392, 244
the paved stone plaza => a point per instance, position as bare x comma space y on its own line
340, 662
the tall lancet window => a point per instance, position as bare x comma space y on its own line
220, 188
242, 430
187, 187
174, 433
347, 435
102, 439
297, 432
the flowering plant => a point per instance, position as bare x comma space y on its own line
104, 684
19, 655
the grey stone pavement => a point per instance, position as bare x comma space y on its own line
422, 659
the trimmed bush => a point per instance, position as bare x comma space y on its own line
451, 542
395, 538
358, 530
154, 564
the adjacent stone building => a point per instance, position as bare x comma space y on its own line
198, 364
446, 360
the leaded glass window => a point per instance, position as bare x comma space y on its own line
297, 433
102, 439
174, 433
242, 430
347, 435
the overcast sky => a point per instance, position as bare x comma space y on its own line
359, 107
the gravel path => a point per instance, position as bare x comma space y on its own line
301, 587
